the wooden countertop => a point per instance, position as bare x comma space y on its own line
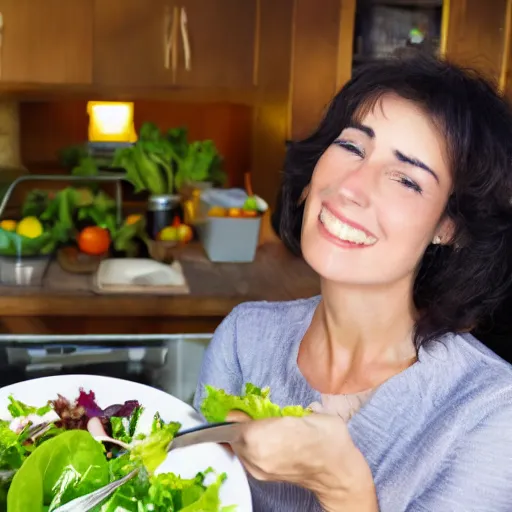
215, 288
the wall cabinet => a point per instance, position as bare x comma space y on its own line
189, 43
46, 41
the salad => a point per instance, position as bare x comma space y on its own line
254, 401
53, 454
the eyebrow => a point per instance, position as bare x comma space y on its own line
403, 158
416, 163
363, 128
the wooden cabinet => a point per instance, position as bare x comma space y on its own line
221, 36
211, 43
475, 34
46, 41
129, 45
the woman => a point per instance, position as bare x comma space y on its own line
400, 201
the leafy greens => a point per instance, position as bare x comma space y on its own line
255, 402
67, 462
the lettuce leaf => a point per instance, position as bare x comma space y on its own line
61, 469
255, 402
152, 450
164, 492
19, 409
12, 452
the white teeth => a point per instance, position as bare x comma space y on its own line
343, 231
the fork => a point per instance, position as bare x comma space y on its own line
34, 430
224, 432
87, 502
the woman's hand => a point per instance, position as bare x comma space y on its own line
315, 452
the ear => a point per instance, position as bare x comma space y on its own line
445, 231
304, 194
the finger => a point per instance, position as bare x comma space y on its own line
253, 470
238, 416
228, 448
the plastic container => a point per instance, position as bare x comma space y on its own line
228, 239
23, 271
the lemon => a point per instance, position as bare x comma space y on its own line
29, 227
8, 225
168, 234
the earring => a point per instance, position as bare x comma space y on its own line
436, 240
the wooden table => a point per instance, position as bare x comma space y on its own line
66, 304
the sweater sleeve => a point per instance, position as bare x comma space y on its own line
478, 478
220, 367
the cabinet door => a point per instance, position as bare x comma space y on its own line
46, 41
129, 43
221, 34
475, 34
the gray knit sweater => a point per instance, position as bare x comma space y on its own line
437, 437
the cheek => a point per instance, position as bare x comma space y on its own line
410, 222
328, 171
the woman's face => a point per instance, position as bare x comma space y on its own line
377, 197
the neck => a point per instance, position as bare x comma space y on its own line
367, 323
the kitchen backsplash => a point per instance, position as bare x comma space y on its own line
48, 126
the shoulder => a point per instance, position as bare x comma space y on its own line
252, 325
279, 313
470, 376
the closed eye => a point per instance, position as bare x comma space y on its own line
350, 146
406, 182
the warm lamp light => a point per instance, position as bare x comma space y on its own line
111, 121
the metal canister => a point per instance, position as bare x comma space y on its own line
161, 211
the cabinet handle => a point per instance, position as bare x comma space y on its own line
168, 29
175, 30
1, 43
184, 37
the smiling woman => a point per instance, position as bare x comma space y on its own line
401, 202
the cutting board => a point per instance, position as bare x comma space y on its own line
139, 276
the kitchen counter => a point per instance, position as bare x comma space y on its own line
66, 304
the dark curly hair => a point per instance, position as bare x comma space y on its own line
460, 284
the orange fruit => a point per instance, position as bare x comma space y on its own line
94, 240
235, 212
133, 219
217, 211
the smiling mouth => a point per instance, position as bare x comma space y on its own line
343, 231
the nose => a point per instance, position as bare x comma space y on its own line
356, 186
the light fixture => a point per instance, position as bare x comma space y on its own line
111, 121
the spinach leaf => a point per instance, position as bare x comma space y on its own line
61, 469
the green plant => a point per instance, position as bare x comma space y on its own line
163, 163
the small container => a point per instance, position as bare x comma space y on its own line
160, 213
230, 239
23, 271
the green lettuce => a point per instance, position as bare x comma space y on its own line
255, 402
164, 492
19, 409
63, 465
152, 450
67, 466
